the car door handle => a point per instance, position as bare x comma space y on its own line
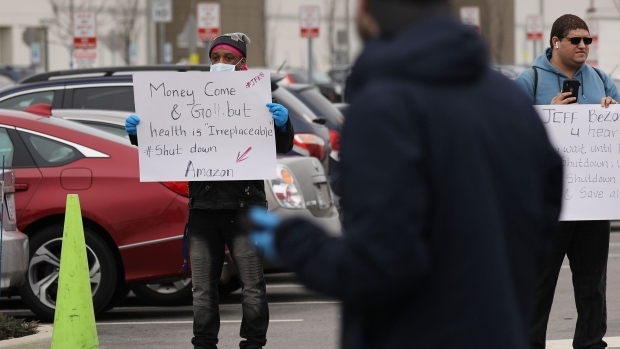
21, 186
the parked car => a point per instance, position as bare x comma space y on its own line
16, 73
323, 82
301, 189
132, 228
510, 71
333, 120
340, 74
112, 89
14, 247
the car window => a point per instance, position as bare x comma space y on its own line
297, 109
113, 129
6, 149
322, 107
48, 152
107, 98
22, 101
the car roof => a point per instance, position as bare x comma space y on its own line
122, 73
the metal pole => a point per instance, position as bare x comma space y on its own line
310, 80
542, 20
207, 47
72, 34
162, 34
46, 48
347, 19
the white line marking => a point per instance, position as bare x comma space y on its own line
304, 303
285, 286
183, 322
568, 343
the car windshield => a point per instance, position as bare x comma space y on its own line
321, 106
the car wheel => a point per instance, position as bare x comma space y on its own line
41, 287
172, 293
178, 292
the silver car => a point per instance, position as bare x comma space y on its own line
14, 243
302, 190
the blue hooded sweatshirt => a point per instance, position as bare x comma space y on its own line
593, 87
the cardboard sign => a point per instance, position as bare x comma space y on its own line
587, 137
205, 126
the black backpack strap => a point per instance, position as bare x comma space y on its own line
535, 81
600, 75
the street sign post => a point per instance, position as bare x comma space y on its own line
471, 15
534, 28
161, 13
84, 38
208, 24
208, 20
309, 23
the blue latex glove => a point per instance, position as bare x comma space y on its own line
279, 114
130, 124
263, 234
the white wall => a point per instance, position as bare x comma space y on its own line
19, 15
609, 27
284, 41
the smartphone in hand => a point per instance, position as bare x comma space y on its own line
572, 86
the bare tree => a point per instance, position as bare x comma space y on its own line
61, 25
125, 16
332, 5
496, 34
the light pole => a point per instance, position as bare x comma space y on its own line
542, 25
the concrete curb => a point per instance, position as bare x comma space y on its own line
40, 340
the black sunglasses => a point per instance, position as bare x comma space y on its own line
577, 39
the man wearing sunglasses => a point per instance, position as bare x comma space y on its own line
586, 243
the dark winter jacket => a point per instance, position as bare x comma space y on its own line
208, 195
451, 195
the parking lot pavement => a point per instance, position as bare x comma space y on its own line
303, 319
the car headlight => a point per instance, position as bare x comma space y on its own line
286, 190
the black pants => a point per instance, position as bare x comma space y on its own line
208, 231
586, 243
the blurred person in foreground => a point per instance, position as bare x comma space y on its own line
217, 212
586, 243
451, 192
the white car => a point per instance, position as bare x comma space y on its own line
14, 243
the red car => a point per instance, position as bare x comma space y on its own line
133, 229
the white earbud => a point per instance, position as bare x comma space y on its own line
556, 44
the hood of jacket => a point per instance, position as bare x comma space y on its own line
437, 50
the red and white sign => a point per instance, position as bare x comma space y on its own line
534, 28
208, 20
85, 54
309, 21
470, 15
84, 30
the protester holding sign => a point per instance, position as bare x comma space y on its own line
452, 192
586, 243
217, 212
